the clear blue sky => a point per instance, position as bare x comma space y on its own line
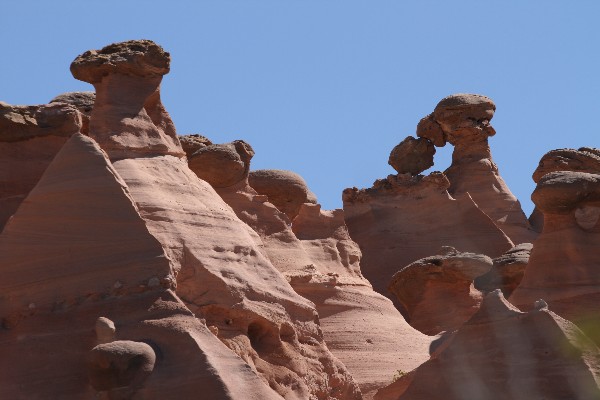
327, 88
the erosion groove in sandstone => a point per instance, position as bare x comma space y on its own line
152, 265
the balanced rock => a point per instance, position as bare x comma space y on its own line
429, 129
412, 156
285, 189
507, 271
465, 117
118, 364
437, 292
128, 117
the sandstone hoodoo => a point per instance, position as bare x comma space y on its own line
465, 121
128, 118
150, 265
563, 267
222, 274
437, 292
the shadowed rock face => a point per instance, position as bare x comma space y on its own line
285, 189
437, 292
507, 271
128, 118
503, 353
563, 267
30, 137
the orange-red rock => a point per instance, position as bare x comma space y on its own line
507, 271
437, 292
402, 218
321, 262
128, 118
83, 101
222, 274
465, 120
30, 137
285, 189
503, 353
412, 156
563, 266
80, 210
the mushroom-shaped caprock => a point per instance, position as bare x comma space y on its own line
128, 118
437, 292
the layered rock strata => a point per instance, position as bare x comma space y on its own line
30, 137
222, 274
437, 292
563, 267
77, 249
503, 353
322, 264
402, 218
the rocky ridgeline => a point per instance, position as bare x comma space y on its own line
151, 265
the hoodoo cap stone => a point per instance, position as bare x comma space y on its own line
135, 57
585, 159
561, 192
461, 110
